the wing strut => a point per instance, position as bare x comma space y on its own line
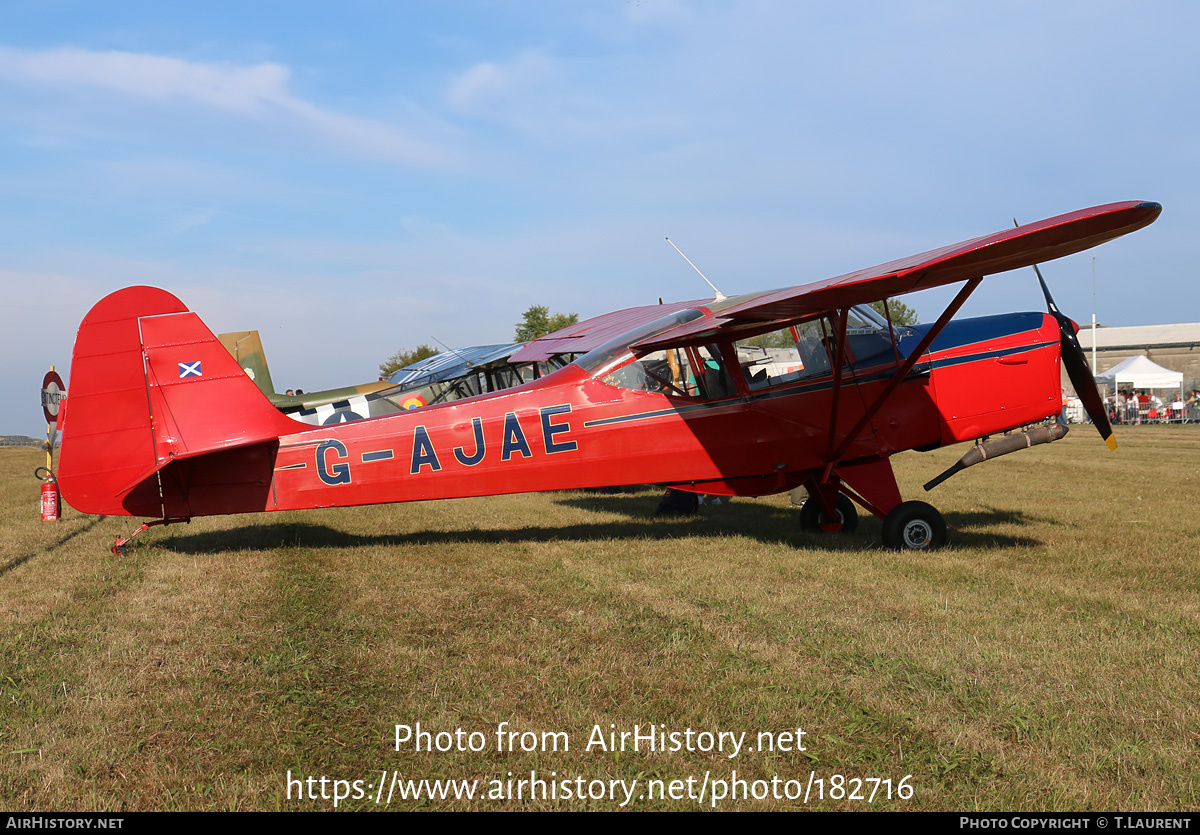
902, 371
840, 357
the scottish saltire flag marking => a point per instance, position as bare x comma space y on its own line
189, 369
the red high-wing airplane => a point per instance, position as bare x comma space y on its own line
747, 396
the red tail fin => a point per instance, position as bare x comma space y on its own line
150, 385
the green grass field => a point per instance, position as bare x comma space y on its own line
1049, 659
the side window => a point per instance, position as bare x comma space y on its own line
504, 377
869, 337
697, 373
708, 370
817, 346
786, 355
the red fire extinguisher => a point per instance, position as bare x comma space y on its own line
50, 497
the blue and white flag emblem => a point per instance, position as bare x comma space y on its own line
189, 369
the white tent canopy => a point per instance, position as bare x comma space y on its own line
1141, 373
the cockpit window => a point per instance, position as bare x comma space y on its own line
868, 336
786, 355
863, 317
809, 349
797, 352
697, 373
615, 352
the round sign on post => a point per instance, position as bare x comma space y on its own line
53, 391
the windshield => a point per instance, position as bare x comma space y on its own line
864, 318
602, 357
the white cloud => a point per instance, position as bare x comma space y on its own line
228, 87
258, 91
200, 216
488, 86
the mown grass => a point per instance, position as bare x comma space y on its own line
1047, 660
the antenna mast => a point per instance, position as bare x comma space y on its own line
720, 297
456, 353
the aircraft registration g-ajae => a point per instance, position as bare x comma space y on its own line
743, 396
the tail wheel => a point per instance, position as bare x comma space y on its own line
914, 526
814, 520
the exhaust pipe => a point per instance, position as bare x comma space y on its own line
995, 447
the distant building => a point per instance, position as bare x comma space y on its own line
1176, 347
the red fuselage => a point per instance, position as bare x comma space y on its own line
571, 430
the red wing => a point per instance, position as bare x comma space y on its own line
1008, 250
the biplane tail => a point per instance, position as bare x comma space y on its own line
151, 389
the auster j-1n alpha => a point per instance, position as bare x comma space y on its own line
162, 423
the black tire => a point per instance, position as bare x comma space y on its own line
678, 503
914, 526
812, 518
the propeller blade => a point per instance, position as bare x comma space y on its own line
1085, 384
1075, 360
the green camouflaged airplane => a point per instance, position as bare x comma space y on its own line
246, 347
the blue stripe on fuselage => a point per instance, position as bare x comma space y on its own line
962, 332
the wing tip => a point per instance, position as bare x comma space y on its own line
1149, 210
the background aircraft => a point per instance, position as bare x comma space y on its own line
452, 375
247, 350
445, 377
162, 423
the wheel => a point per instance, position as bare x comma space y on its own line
914, 526
814, 520
677, 503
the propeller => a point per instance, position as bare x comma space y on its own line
1075, 360
1077, 368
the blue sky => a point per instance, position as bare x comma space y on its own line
358, 177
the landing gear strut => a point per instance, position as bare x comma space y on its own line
814, 520
908, 526
914, 526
